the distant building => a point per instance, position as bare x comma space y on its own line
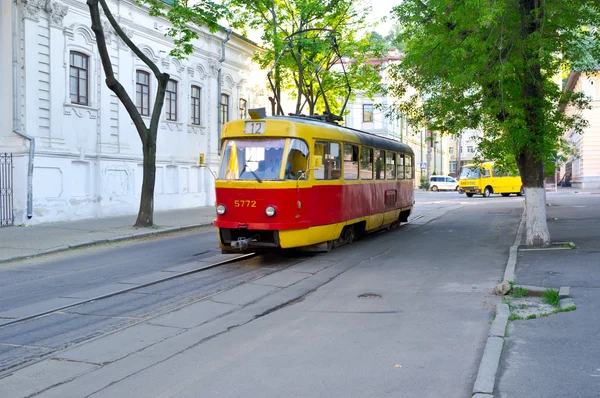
584, 169
88, 159
462, 148
431, 149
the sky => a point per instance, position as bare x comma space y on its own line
382, 9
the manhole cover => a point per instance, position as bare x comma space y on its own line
369, 296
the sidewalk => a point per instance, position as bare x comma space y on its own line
557, 355
21, 242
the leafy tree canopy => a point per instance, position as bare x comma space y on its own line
494, 66
311, 32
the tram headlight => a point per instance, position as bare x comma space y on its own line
221, 209
270, 211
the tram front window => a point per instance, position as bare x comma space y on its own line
252, 159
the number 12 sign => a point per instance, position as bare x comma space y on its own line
255, 127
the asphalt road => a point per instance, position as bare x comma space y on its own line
434, 277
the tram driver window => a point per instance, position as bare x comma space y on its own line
366, 163
331, 160
297, 160
350, 162
379, 164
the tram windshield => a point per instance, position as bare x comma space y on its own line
263, 159
470, 173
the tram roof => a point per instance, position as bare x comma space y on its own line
364, 138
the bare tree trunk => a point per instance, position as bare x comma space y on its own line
147, 135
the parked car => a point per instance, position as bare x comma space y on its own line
443, 183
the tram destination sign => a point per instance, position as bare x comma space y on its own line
255, 127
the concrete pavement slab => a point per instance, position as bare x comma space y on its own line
147, 278
311, 267
243, 294
193, 315
37, 308
114, 346
283, 278
96, 292
41, 376
25, 353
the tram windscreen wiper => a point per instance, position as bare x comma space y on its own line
251, 171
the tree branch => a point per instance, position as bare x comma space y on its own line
112, 83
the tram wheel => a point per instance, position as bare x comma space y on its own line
349, 235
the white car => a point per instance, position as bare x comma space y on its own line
443, 183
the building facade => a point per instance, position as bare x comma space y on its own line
369, 115
583, 169
87, 160
462, 149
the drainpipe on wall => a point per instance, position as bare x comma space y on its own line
219, 127
16, 128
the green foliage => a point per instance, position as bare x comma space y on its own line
551, 297
424, 185
186, 16
323, 26
491, 66
519, 292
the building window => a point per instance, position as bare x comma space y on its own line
452, 167
243, 108
79, 78
224, 108
171, 100
142, 92
367, 112
195, 103
470, 149
451, 150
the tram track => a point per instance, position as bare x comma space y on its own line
26, 362
126, 290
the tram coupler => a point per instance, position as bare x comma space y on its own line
241, 243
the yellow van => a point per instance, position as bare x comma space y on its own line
484, 179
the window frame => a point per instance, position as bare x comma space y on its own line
195, 105
369, 151
339, 159
243, 108
366, 120
381, 153
170, 99
390, 156
85, 69
142, 85
400, 166
224, 108
355, 150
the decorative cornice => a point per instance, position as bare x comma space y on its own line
56, 12
31, 9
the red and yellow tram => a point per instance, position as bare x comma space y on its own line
297, 182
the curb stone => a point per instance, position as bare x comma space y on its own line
106, 240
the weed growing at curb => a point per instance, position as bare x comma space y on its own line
551, 297
519, 292
569, 245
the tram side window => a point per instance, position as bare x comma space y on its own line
297, 160
379, 164
390, 165
366, 163
350, 162
331, 160
400, 166
408, 169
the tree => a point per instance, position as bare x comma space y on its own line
182, 16
303, 36
491, 66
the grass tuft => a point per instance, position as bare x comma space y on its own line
551, 297
519, 292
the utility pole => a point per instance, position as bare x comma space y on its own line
458, 157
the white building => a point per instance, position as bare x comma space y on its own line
88, 159
369, 115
